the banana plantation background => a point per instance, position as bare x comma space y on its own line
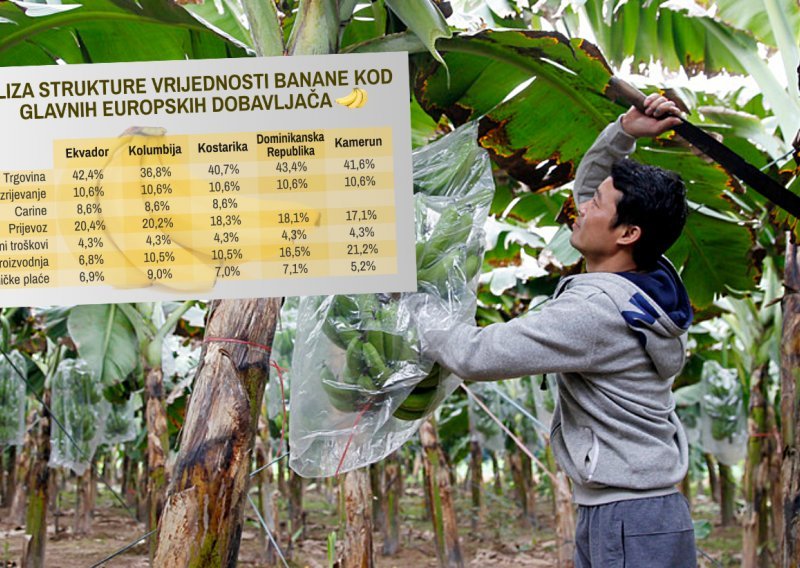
132, 429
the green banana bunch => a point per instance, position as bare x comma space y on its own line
420, 400
447, 249
339, 324
371, 356
452, 229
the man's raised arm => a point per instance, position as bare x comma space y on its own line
618, 141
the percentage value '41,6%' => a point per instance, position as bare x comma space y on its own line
362, 164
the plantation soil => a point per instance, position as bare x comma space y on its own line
503, 540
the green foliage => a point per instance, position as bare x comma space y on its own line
105, 338
424, 19
101, 31
78, 405
12, 398
722, 400
542, 158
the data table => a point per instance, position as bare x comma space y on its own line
161, 214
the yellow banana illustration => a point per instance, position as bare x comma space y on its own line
357, 98
348, 99
364, 99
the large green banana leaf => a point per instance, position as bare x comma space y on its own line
105, 338
690, 38
645, 29
102, 31
539, 135
754, 16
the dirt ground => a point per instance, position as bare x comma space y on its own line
504, 539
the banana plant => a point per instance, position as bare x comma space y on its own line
104, 31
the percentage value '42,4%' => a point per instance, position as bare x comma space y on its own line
84, 175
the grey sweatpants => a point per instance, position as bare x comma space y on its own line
655, 532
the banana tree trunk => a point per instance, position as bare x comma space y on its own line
201, 524
564, 511
476, 482
296, 516
272, 552
358, 536
126, 488
497, 474
282, 478
686, 487
9, 476
83, 512
16, 513
393, 489
790, 409
38, 488
515, 464
376, 485
4, 473
140, 485
439, 490
727, 495
157, 448
713, 479
55, 499
263, 493
530, 490
761, 449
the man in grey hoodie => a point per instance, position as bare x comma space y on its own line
616, 337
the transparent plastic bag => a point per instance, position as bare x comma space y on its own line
359, 386
77, 402
723, 420
121, 425
281, 355
12, 400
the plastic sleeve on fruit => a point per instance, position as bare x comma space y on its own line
356, 358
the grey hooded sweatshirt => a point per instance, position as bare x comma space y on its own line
616, 342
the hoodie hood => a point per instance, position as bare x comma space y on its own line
665, 288
654, 305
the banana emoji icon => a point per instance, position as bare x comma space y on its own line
357, 98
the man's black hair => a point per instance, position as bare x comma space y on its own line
654, 199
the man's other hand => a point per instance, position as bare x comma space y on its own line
660, 114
